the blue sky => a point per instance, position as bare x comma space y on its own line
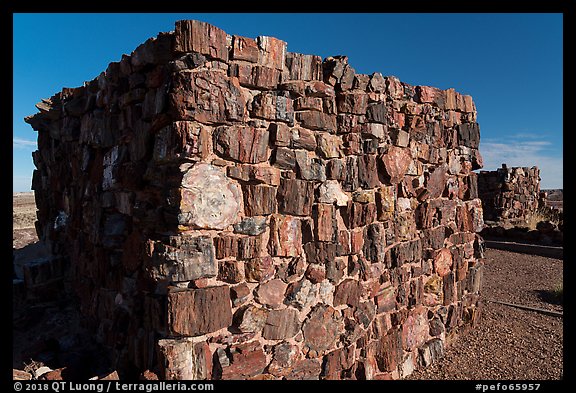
511, 64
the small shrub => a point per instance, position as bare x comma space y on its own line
543, 214
558, 293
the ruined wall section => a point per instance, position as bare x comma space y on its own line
509, 194
234, 210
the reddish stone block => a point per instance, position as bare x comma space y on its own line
356, 241
185, 360
343, 243
285, 236
355, 103
389, 351
368, 171
319, 89
415, 329
247, 360
315, 273
295, 197
239, 294
347, 292
281, 324
242, 143
259, 200
436, 183
325, 227
193, 312
308, 103
249, 247
148, 375
182, 139
226, 246
443, 262
244, 49
255, 76
304, 67
450, 103
385, 298
357, 214
349, 123
396, 162
434, 238
314, 120
259, 269
321, 253
272, 52
273, 106
255, 174
284, 158
427, 94
189, 99
394, 87
321, 330
229, 271
305, 369
280, 134
271, 293
302, 138
201, 37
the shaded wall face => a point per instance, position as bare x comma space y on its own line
234, 210
509, 193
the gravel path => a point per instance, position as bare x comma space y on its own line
510, 343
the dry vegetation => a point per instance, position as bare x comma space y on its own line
544, 213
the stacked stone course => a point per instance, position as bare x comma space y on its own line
509, 194
232, 210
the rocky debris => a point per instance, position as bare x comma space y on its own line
225, 209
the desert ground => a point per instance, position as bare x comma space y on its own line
23, 218
509, 343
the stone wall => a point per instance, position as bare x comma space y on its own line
234, 210
509, 194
